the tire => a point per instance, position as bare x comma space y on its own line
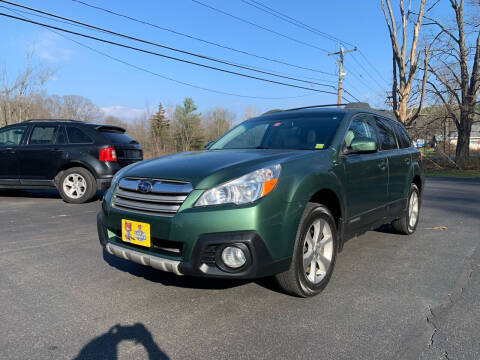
407, 224
299, 280
77, 185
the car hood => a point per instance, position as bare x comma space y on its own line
204, 169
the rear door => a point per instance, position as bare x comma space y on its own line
127, 149
11, 139
399, 170
366, 185
39, 159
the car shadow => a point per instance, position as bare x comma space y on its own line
169, 279
105, 346
39, 194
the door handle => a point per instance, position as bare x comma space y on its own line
10, 150
382, 165
407, 161
56, 150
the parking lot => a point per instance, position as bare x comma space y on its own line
391, 296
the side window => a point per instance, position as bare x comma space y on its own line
61, 136
402, 136
43, 134
385, 132
77, 136
12, 136
361, 128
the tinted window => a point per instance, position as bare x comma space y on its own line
12, 136
61, 136
77, 136
361, 128
386, 135
402, 135
43, 134
307, 133
118, 138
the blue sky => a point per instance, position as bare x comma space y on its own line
111, 84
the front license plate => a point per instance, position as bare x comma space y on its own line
136, 232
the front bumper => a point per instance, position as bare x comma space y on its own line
204, 260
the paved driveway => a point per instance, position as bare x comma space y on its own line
62, 297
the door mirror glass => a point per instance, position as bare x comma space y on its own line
207, 145
363, 145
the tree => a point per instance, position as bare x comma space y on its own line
251, 112
457, 75
217, 122
406, 104
188, 127
17, 96
159, 130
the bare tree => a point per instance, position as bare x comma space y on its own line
217, 122
454, 83
250, 112
17, 96
406, 104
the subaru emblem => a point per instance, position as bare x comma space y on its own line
144, 186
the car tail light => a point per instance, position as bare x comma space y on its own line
108, 154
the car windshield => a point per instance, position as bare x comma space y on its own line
299, 133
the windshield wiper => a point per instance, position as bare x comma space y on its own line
261, 147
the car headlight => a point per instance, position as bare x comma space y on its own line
245, 189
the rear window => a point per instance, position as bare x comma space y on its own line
77, 136
402, 135
118, 138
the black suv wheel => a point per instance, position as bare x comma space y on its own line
77, 185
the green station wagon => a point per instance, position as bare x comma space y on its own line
278, 195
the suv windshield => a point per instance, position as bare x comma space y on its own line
305, 133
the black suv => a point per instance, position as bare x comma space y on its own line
75, 157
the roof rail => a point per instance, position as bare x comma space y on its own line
316, 106
52, 120
358, 105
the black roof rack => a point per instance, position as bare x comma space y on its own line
352, 105
53, 120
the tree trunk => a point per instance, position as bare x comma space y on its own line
462, 153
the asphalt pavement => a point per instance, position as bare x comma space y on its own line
390, 297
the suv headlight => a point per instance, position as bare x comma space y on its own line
245, 189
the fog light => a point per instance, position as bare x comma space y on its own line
233, 257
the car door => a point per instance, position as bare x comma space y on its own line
366, 176
400, 161
10, 139
39, 158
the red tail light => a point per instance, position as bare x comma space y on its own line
108, 154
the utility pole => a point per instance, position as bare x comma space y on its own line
341, 74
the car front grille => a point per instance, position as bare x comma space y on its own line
164, 199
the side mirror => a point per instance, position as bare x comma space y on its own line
363, 145
207, 145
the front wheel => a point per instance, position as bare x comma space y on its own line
407, 224
314, 254
77, 185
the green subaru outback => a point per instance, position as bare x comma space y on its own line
277, 195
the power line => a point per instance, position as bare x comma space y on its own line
298, 23
201, 40
168, 78
304, 26
84, 27
260, 26
373, 67
165, 56
367, 72
167, 47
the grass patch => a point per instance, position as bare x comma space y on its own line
465, 174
